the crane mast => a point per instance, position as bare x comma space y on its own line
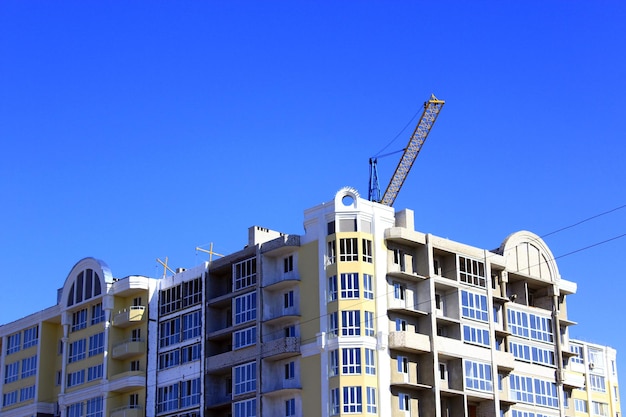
431, 110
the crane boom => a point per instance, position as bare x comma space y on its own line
431, 110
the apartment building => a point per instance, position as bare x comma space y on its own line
360, 315
84, 356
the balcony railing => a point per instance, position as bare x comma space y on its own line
281, 348
409, 341
129, 348
128, 411
129, 316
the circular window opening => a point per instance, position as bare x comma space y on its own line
347, 200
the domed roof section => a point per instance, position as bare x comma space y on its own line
527, 254
87, 279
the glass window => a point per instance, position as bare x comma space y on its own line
96, 344
12, 372
94, 407
334, 401
167, 398
245, 378
368, 287
9, 398
290, 407
13, 343
169, 332
94, 372
190, 353
367, 250
169, 359
333, 362
245, 337
370, 361
351, 361
352, 400
75, 410
348, 251
244, 274
596, 382
31, 337
245, 308
79, 320
76, 378
472, 272
288, 299
190, 393
580, 405
97, 314
478, 376
404, 402
476, 335
330, 252
332, 288
29, 366
246, 408
350, 285
474, 306
332, 324
170, 300
369, 324
288, 264
77, 350
351, 323
192, 292
546, 394
27, 393
290, 370
371, 400
192, 325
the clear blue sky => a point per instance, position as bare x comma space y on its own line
138, 130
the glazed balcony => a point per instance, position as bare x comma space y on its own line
130, 316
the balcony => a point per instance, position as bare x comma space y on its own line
409, 342
127, 381
130, 316
128, 411
222, 361
128, 349
281, 348
282, 387
505, 361
571, 380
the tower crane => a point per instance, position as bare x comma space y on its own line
431, 110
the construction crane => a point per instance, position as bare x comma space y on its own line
431, 110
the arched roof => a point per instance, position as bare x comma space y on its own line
528, 254
86, 280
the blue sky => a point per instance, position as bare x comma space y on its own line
138, 130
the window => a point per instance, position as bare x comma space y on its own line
403, 364
368, 287
169, 332
244, 274
190, 353
352, 400
330, 252
245, 308
369, 324
474, 306
334, 401
96, 344
192, 292
245, 378
351, 323
190, 393
518, 323
290, 370
399, 291
599, 409
290, 407
135, 335
167, 398
332, 323
520, 351
472, 272
478, 376
94, 407
596, 382
350, 285
443, 371
135, 366
333, 362
332, 288
348, 250
245, 337
133, 401
76, 378
75, 410
169, 359
170, 300
94, 372
596, 358
13, 343
400, 325
476, 335
288, 299
9, 398
290, 331
370, 361
192, 325
398, 259
79, 320
97, 314
545, 393
31, 337
404, 402
367, 250
29, 366
27, 393
543, 356
580, 405
11, 372
288, 264
77, 350
371, 400
521, 388
245, 408
540, 328
351, 361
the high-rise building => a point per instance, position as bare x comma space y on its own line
360, 315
